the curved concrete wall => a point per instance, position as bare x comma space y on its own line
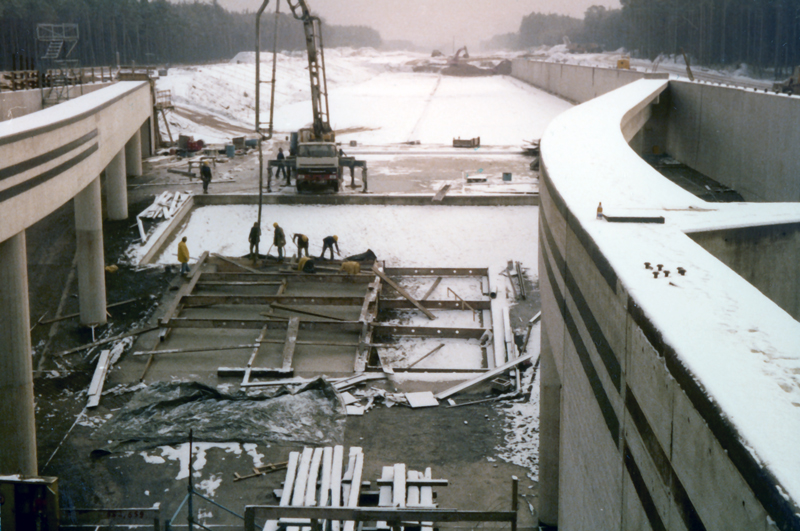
739, 137
47, 157
666, 402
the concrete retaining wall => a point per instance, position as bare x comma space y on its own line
766, 256
575, 83
741, 138
21, 102
654, 411
641, 445
368, 199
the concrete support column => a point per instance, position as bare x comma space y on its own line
133, 155
549, 434
117, 187
91, 263
17, 414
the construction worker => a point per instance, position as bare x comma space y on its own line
282, 160
279, 240
330, 242
350, 268
301, 240
254, 239
183, 256
205, 175
306, 265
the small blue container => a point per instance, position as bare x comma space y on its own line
506, 176
230, 151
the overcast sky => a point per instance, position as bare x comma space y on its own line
433, 22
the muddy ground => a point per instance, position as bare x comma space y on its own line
460, 444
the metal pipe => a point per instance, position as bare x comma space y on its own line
190, 508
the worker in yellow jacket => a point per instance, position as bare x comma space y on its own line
183, 256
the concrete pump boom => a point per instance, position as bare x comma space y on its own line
316, 70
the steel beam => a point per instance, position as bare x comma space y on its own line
437, 271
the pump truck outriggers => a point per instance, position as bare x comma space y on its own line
314, 158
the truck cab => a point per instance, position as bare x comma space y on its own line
317, 166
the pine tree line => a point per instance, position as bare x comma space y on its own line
763, 33
155, 31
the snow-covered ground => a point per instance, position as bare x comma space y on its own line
374, 98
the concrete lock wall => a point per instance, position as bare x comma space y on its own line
766, 256
635, 445
632, 437
741, 138
18, 103
575, 83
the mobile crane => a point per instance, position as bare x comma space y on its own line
313, 156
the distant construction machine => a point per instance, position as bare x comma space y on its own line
314, 158
789, 86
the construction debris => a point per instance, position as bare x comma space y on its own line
260, 471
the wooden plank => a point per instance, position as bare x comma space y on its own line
441, 193
288, 485
433, 287
302, 477
240, 283
413, 490
245, 323
98, 380
184, 291
325, 485
372, 514
296, 277
336, 482
367, 310
291, 339
399, 487
483, 377
107, 340
347, 478
256, 372
385, 492
362, 351
316, 300
355, 488
256, 347
313, 475
437, 271
196, 349
426, 499
279, 306
250, 269
431, 353
428, 331
403, 292
72, 315
400, 304
421, 481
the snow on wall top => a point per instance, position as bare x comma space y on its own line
741, 348
68, 110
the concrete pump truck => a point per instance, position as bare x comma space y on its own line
314, 158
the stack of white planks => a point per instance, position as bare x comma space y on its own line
164, 206
314, 478
402, 489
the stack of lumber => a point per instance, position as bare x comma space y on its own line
315, 478
164, 206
